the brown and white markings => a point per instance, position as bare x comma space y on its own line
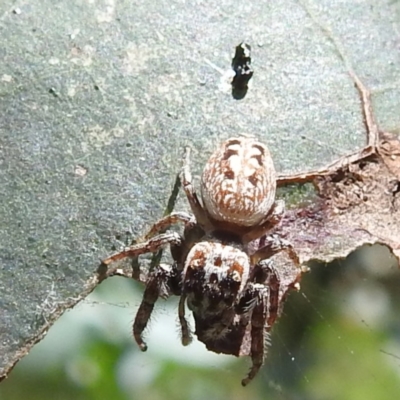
222, 263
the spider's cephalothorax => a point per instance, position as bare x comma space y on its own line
232, 290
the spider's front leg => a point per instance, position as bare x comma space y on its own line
162, 282
262, 299
265, 273
163, 224
258, 333
269, 276
271, 245
149, 246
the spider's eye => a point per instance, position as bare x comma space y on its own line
213, 278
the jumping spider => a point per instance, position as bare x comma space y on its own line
222, 267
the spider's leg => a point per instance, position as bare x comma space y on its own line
262, 300
195, 205
264, 287
272, 245
270, 278
258, 333
273, 219
164, 223
149, 246
159, 284
263, 273
185, 329
156, 259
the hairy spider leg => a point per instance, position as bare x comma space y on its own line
271, 245
149, 246
264, 312
160, 283
169, 220
261, 299
258, 332
271, 279
260, 274
156, 258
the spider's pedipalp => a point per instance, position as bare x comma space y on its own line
186, 337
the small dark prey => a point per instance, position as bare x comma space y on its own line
241, 65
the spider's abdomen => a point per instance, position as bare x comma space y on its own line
238, 184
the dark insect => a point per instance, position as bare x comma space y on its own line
241, 64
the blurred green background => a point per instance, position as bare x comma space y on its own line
338, 338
